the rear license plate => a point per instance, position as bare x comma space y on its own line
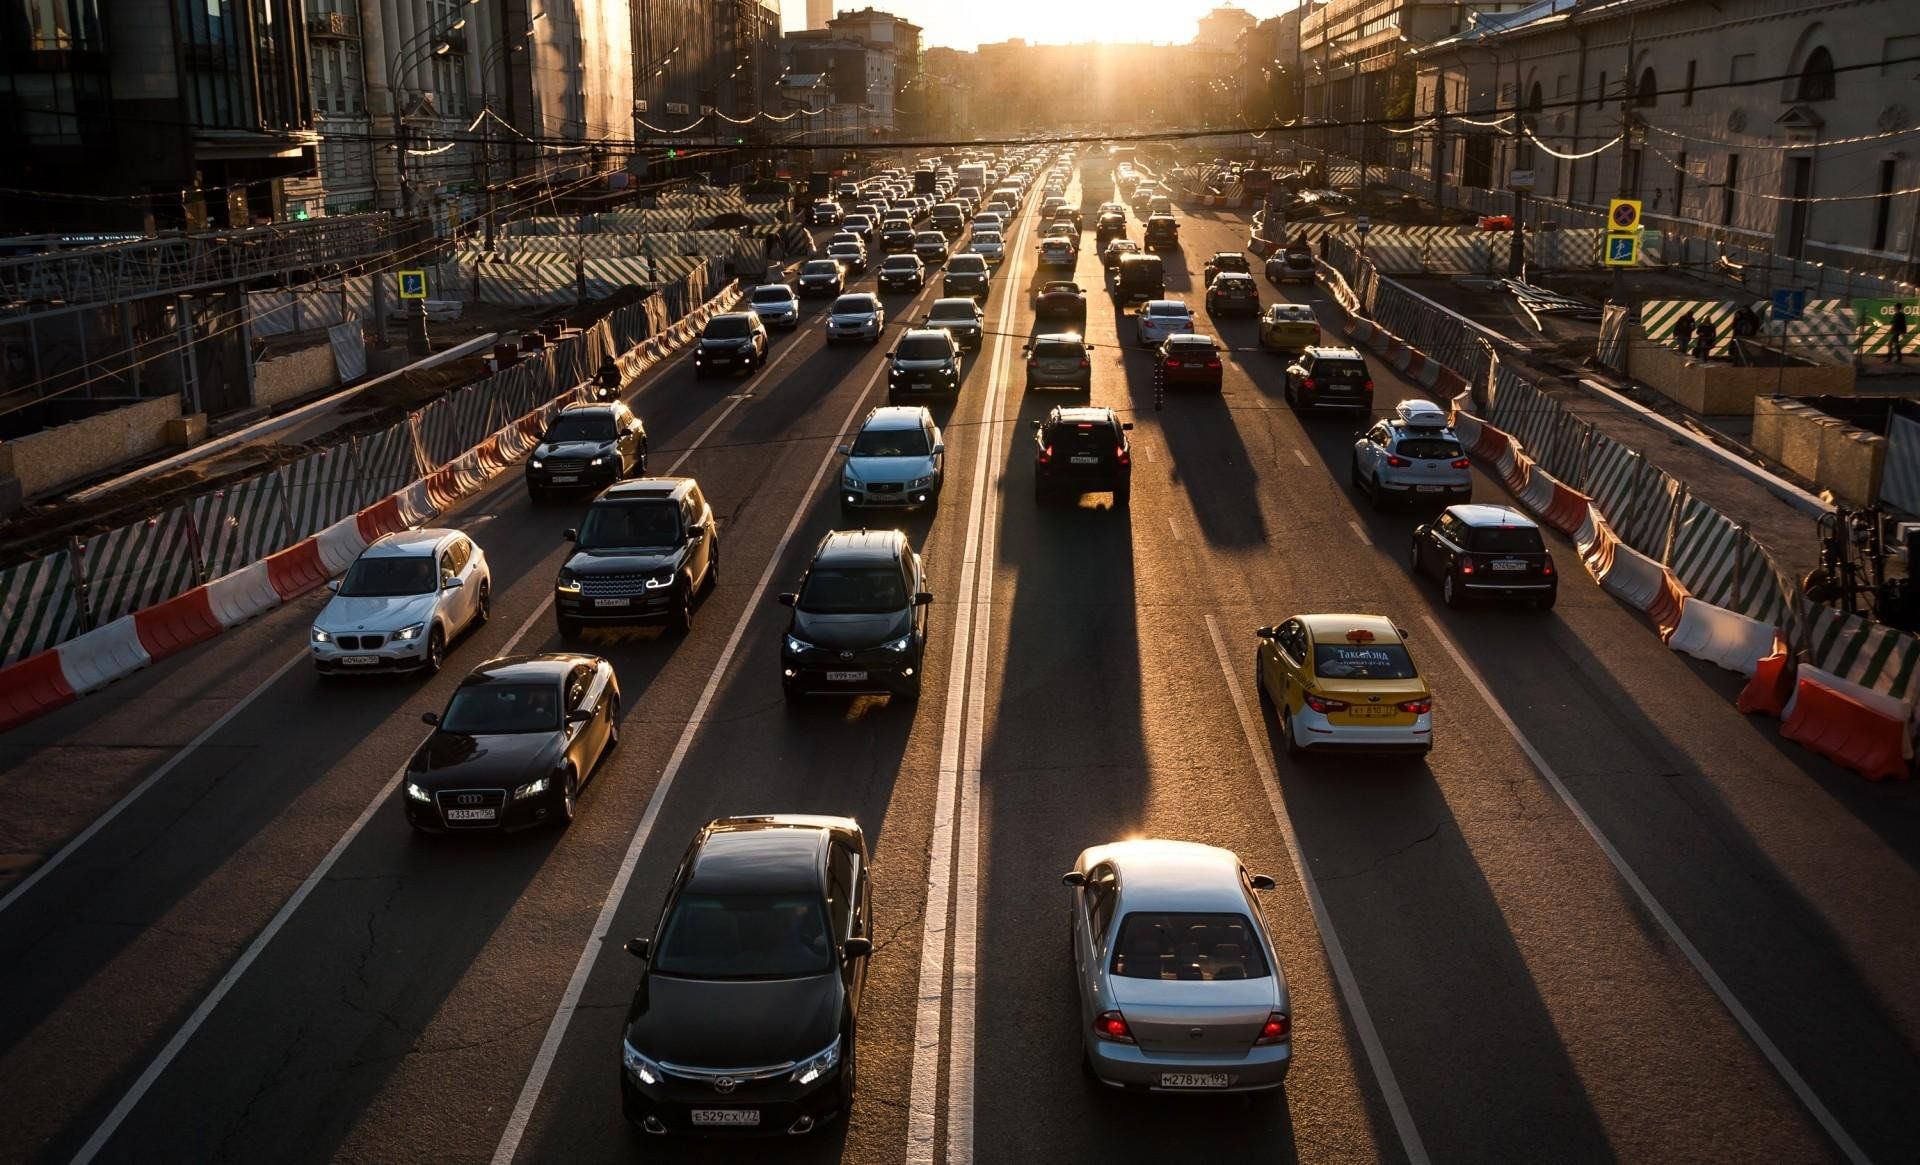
1370, 712
565, 478
1195, 1080
1429, 489
846, 677
359, 660
1509, 564
1084, 459
734, 1117
472, 814
613, 602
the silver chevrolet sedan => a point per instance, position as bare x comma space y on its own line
1180, 987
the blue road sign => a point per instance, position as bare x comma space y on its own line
1789, 303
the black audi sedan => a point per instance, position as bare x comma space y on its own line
744, 1018
859, 623
519, 738
645, 550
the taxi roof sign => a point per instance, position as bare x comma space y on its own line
1623, 214
1359, 635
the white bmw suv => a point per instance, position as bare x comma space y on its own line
401, 602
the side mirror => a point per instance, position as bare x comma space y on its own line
843, 450
856, 948
1126, 426
453, 584
787, 598
432, 718
579, 715
1267, 632
1261, 882
940, 448
639, 948
1404, 633
1073, 878
333, 584
570, 534
694, 536
922, 598
1036, 426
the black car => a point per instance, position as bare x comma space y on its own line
587, 446
967, 275
1111, 225
1082, 450
1486, 552
902, 273
821, 277
518, 739
1223, 261
1162, 233
931, 247
926, 360
641, 554
897, 239
859, 621
746, 1013
960, 318
1329, 377
731, 341
1060, 299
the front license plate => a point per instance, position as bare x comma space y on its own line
472, 814
1429, 489
565, 478
730, 1117
359, 660
1509, 564
1195, 1080
1374, 713
1084, 459
613, 602
846, 677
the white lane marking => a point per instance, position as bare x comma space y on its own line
734, 402
228, 981
1358, 531
1788, 1074
173, 762
523, 1107
1259, 746
1175, 527
1303, 459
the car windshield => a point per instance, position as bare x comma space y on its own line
925, 348
901, 263
387, 575
1196, 947
891, 443
1429, 448
853, 590
500, 709
1345, 371
745, 936
1508, 539
772, 295
1362, 661
852, 305
973, 263
821, 267
953, 312
1190, 350
986, 236
580, 427
631, 525
728, 328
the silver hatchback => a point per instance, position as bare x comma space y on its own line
1412, 456
1180, 987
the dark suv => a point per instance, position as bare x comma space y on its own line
1486, 552
759, 958
859, 621
966, 275
731, 341
1329, 377
587, 446
641, 554
925, 360
1162, 233
1082, 450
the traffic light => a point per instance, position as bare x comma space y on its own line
673, 151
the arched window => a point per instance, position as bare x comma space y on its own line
1647, 94
1816, 76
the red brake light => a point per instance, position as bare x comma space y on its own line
1466, 565
1121, 455
1397, 462
1367, 387
1111, 1025
1084, 425
1306, 382
1084, 363
1033, 359
1213, 364
1463, 463
1322, 704
1547, 567
1277, 1028
1046, 454
1172, 363
1417, 707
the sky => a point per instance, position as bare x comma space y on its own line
965, 24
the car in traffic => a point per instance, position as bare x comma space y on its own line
1290, 265
1344, 681
966, 274
961, 318
1223, 261
1061, 299
586, 446
1059, 360
856, 316
1233, 293
859, 624
776, 305
1162, 233
902, 273
1081, 450
1160, 318
988, 245
1329, 377
743, 1020
897, 239
926, 360
825, 214
822, 277
401, 602
517, 741
1486, 552
643, 553
1412, 456
1058, 252
1289, 328
1138, 278
896, 460
931, 247
733, 341
851, 254
1180, 985
1110, 226
1114, 249
861, 224
1190, 360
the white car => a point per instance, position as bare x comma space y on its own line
401, 602
988, 245
991, 221
897, 459
856, 317
1160, 318
776, 305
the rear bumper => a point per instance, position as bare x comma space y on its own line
1130, 1067
1459, 492
1516, 590
1315, 731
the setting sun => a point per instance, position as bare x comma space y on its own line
965, 26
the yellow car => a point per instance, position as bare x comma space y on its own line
1344, 681
1289, 327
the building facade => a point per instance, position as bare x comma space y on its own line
893, 59
1269, 69
819, 12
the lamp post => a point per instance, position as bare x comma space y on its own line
406, 51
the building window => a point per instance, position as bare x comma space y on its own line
1646, 95
1729, 204
1883, 206
1816, 76
1686, 97
1600, 98
54, 25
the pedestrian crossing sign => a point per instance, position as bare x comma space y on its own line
413, 284
1623, 250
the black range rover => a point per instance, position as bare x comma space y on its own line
643, 552
1082, 450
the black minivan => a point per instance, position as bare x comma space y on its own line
1138, 278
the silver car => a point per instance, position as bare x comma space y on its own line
856, 317
1180, 987
897, 459
1412, 456
776, 305
401, 602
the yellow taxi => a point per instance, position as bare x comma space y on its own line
1344, 681
1289, 327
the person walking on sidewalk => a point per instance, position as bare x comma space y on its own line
1897, 332
1683, 331
1704, 338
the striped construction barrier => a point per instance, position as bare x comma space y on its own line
1857, 728
38, 606
1856, 649
1826, 330
1725, 638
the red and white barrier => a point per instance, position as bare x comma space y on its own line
1849, 724
1722, 637
103, 655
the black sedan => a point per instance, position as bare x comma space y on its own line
744, 1017
519, 738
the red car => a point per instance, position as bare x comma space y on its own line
1191, 360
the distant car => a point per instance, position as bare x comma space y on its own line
515, 744
1058, 252
898, 239
401, 602
926, 360
1293, 265
896, 460
732, 341
645, 550
1082, 450
858, 316
966, 274
960, 318
1110, 253
1344, 681
1224, 261
1180, 986
902, 273
587, 447
1061, 299
822, 277
1059, 360
1412, 456
859, 623
1289, 327
744, 1015
1138, 279
1110, 226
1329, 377
850, 255
1160, 318
988, 245
825, 214
776, 305
859, 224
1190, 360
1232, 293
931, 247
1486, 552
1162, 233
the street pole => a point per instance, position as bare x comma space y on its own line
404, 141
487, 178
1439, 134
1626, 138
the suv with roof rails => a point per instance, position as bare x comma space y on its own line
925, 360
1079, 450
1329, 377
1413, 455
641, 554
859, 623
586, 446
896, 460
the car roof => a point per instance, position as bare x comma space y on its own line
1327, 351
1174, 875
734, 315
928, 334
1194, 339
863, 298
822, 263
646, 487
1331, 627
877, 546
734, 855
1080, 414
552, 666
1059, 338
1488, 515
408, 543
1166, 303
892, 418
956, 301
579, 408
773, 287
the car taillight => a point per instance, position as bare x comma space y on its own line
1547, 567
1306, 382
1172, 363
1213, 364
1121, 456
1084, 363
1046, 454
1463, 463
1276, 1029
1323, 705
1367, 387
1397, 462
1033, 360
1111, 1025
1417, 707
1466, 565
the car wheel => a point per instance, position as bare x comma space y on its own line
1450, 591
1544, 605
1413, 557
792, 695
613, 725
1123, 496
680, 622
483, 609
713, 569
1286, 729
1292, 401
569, 628
849, 1077
1376, 497
569, 792
535, 497
1353, 472
436, 650
1260, 683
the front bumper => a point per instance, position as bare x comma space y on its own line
643, 608
393, 655
904, 386
867, 331
822, 673
869, 495
1318, 399
723, 359
782, 1108
512, 815
1130, 1067
591, 477
819, 288
786, 319
890, 283
1316, 731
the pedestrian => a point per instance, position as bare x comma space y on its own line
1897, 332
1683, 331
1746, 324
1704, 338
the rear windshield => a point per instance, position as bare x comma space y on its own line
1093, 434
1056, 350
581, 427
1191, 348
1429, 448
967, 263
728, 328
1202, 947
1507, 539
1362, 661
925, 348
1167, 309
773, 295
1344, 371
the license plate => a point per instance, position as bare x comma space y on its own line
565, 478
1084, 459
732, 1117
472, 814
1429, 489
1371, 712
719, 359
921, 384
846, 677
613, 602
1509, 564
1195, 1080
359, 660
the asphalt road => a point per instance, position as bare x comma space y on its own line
1607, 918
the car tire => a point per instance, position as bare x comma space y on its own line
536, 497
1294, 748
436, 650
680, 622
792, 695
569, 628
1450, 592
1544, 605
1376, 497
1260, 684
1413, 557
1287, 391
613, 726
713, 568
483, 610
569, 797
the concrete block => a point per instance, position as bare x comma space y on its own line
188, 431
1850, 462
11, 495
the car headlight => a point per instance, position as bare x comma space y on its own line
920, 482
413, 632
659, 581
416, 793
598, 461
819, 1064
320, 636
849, 481
638, 1066
534, 463
798, 646
531, 789
900, 644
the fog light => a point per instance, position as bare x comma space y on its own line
906, 671
787, 673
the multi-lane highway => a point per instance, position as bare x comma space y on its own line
1607, 917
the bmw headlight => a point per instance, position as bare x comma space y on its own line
416, 793
638, 1066
320, 636
531, 789
798, 646
900, 644
413, 632
659, 581
598, 461
819, 1064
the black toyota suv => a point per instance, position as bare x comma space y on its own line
744, 1017
859, 621
1082, 450
643, 552
587, 446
